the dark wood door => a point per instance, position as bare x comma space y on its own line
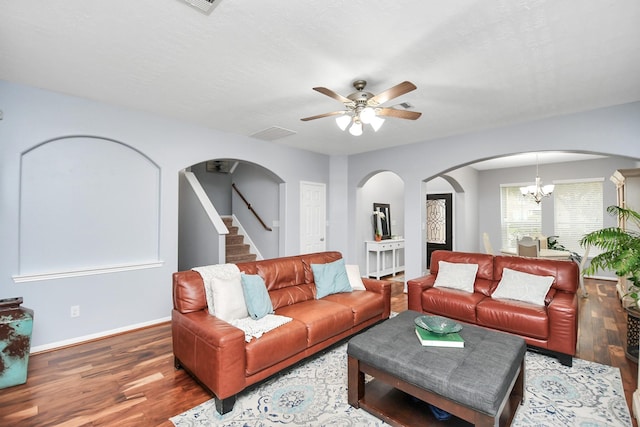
439, 223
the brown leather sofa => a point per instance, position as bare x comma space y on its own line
552, 328
215, 353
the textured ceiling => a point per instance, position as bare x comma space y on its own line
251, 65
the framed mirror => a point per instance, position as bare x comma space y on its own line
382, 221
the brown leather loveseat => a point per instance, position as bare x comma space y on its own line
551, 327
216, 353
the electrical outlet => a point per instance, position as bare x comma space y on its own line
75, 311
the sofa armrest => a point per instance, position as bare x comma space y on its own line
211, 349
563, 322
383, 288
415, 287
377, 286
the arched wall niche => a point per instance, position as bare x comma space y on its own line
69, 187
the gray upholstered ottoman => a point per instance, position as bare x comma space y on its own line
482, 383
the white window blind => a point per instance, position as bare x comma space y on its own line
521, 216
578, 211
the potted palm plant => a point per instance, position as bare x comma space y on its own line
620, 250
621, 254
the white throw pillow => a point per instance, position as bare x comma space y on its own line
456, 275
521, 286
355, 279
223, 289
228, 298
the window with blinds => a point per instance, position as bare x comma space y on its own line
521, 216
578, 211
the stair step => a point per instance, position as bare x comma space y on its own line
237, 249
234, 239
234, 259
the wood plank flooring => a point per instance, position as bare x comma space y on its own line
129, 379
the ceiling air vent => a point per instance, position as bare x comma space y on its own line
205, 6
273, 133
402, 105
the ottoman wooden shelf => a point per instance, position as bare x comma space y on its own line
482, 383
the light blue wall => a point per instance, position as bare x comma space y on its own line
117, 300
217, 186
200, 230
262, 192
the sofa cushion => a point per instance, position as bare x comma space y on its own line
566, 272
484, 261
512, 316
364, 305
330, 278
292, 295
452, 303
456, 275
317, 258
275, 346
256, 296
355, 278
525, 287
323, 319
277, 272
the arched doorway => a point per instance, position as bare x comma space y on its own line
246, 192
380, 188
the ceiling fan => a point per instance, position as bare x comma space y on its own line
363, 107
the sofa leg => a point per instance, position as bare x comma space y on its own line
225, 405
176, 363
565, 359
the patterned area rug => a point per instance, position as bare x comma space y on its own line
314, 393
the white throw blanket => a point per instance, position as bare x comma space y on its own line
255, 328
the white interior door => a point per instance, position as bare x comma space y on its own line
313, 217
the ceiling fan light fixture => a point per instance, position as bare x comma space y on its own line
363, 107
367, 115
356, 128
376, 123
343, 121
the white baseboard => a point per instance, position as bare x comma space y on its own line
636, 405
78, 340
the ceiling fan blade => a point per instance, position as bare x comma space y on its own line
319, 116
397, 90
400, 114
332, 94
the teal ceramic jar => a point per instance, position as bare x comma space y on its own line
16, 325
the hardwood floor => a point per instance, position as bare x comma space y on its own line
129, 379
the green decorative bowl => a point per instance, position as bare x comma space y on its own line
438, 324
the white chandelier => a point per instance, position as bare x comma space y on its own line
357, 118
537, 191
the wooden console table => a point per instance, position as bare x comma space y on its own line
393, 246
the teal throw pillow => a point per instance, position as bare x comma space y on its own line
256, 296
330, 278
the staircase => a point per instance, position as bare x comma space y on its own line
236, 249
